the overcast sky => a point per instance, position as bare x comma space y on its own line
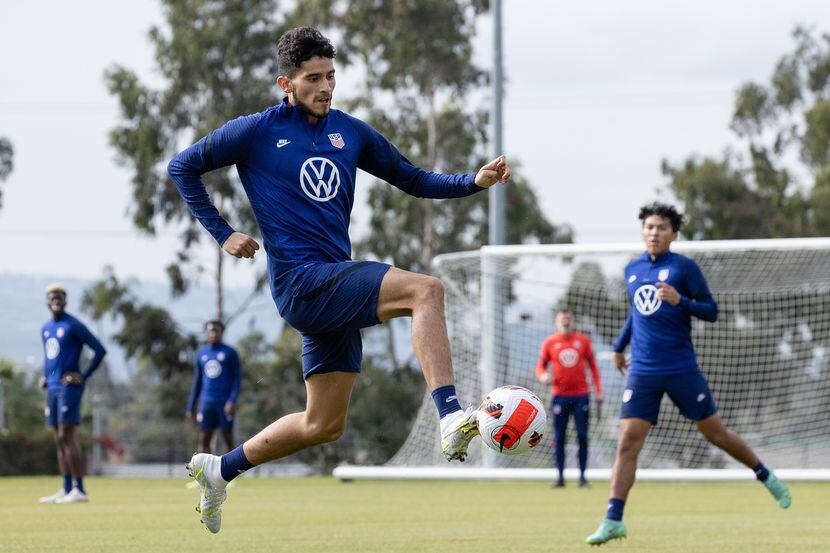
597, 94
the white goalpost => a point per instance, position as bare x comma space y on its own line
767, 358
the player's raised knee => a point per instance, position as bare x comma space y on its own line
321, 432
430, 290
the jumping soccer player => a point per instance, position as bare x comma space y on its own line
568, 351
63, 338
297, 162
666, 291
217, 376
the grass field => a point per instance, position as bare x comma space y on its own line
322, 514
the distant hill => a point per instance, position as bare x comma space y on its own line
23, 311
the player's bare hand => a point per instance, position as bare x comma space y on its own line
620, 362
497, 170
229, 409
191, 418
72, 379
240, 245
668, 293
41, 382
545, 378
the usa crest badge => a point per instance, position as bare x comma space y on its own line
337, 140
663, 275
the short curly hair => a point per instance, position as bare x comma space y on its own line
301, 44
665, 211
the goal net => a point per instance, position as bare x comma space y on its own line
766, 358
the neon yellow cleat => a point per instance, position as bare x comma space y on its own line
204, 468
457, 429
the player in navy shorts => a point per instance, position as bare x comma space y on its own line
666, 290
217, 376
64, 337
297, 162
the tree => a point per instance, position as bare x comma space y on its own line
6, 162
148, 335
218, 60
419, 74
758, 195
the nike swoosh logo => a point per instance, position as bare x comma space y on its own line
450, 399
281, 143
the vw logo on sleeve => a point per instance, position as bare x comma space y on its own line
646, 300
320, 179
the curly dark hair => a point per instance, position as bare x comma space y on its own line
665, 211
299, 45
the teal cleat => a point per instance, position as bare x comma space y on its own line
607, 531
779, 491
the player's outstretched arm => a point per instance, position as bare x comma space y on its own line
497, 170
380, 158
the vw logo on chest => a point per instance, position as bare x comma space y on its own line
646, 300
568, 357
319, 179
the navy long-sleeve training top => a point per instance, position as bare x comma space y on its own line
300, 179
217, 376
660, 333
63, 339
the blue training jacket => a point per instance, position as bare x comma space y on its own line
217, 376
63, 340
660, 333
300, 180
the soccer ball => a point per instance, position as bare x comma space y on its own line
511, 420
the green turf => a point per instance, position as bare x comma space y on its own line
322, 514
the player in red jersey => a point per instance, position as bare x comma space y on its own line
567, 352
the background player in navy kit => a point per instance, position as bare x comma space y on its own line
666, 290
63, 338
297, 163
217, 376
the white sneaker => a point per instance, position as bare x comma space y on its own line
54, 497
75, 496
205, 468
457, 429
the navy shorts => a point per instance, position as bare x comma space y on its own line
212, 416
563, 407
63, 406
329, 303
688, 391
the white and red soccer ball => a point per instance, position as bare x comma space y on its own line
511, 420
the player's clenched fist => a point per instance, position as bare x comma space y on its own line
240, 245
668, 293
497, 170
